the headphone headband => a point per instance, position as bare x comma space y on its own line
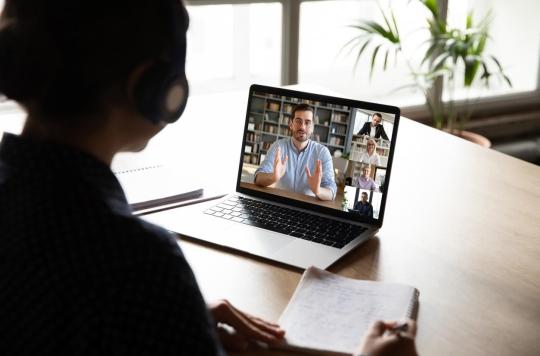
161, 93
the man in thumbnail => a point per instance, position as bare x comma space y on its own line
374, 128
298, 164
365, 181
363, 207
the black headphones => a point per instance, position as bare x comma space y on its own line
161, 93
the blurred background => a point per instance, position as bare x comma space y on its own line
232, 44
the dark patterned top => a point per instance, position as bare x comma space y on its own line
79, 275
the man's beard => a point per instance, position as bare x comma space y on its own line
300, 137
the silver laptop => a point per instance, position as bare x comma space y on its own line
312, 183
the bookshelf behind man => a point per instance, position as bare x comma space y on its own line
269, 118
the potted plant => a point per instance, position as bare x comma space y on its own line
448, 56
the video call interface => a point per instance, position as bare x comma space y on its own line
318, 152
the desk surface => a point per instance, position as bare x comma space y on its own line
462, 225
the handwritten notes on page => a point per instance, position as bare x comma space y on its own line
331, 313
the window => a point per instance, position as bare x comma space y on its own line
233, 43
324, 30
515, 41
233, 46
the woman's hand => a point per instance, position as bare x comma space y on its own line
380, 340
236, 328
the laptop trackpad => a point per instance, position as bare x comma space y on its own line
256, 241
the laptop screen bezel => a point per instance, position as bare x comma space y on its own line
333, 100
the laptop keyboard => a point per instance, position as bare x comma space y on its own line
287, 221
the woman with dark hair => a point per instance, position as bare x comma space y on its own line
78, 272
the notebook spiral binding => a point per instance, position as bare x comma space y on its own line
412, 309
138, 169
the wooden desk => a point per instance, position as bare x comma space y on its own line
462, 225
334, 204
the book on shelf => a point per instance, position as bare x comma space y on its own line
288, 108
337, 141
270, 128
319, 121
328, 314
284, 131
273, 106
339, 130
341, 118
266, 145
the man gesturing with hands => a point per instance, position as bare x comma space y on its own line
298, 164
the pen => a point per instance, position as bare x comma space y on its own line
399, 328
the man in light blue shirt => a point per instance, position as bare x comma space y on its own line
298, 164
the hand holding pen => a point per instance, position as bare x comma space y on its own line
389, 338
398, 328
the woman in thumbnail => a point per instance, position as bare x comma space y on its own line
371, 156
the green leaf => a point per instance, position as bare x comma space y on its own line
469, 21
497, 63
432, 6
432, 75
373, 58
473, 31
430, 52
396, 30
355, 38
385, 18
484, 23
362, 49
351, 45
439, 61
386, 59
472, 64
450, 45
377, 28
479, 48
507, 80
485, 75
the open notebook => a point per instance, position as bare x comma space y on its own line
329, 313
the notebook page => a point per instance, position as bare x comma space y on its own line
330, 312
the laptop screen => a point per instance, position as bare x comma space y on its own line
323, 153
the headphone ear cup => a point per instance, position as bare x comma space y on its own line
161, 94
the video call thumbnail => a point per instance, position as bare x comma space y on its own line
317, 152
